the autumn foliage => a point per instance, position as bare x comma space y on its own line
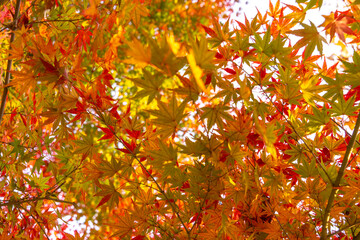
155, 119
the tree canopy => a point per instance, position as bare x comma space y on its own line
156, 119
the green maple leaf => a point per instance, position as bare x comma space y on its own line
273, 181
353, 68
203, 56
228, 91
85, 146
168, 116
110, 168
221, 33
331, 172
336, 86
39, 181
306, 169
164, 155
342, 107
277, 49
165, 159
311, 3
150, 84
17, 148
318, 118
262, 43
163, 57
216, 115
196, 148
188, 88
310, 38
297, 152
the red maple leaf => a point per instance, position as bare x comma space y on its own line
109, 133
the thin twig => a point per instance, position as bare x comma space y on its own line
343, 229
9, 63
202, 205
24, 200
172, 205
59, 20
37, 222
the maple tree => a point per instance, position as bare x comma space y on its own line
160, 120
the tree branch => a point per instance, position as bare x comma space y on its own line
24, 200
345, 228
334, 190
9, 63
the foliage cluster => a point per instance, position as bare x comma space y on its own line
153, 119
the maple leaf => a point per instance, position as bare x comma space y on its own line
196, 70
311, 3
75, 237
342, 107
109, 168
86, 146
110, 194
125, 224
138, 53
209, 31
165, 158
352, 68
145, 197
336, 86
69, 98
39, 181
307, 170
318, 118
310, 38
203, 56
310, 89
150, 84
55, 116
83, 37
338, 23
168, 116
109, 133
219, 33
138, 10
80, 110
128, 148
189, 88
216, 114
24, 80
228, 91
196, 148
164, 59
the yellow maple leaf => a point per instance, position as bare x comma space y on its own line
139, 54
137, 12
23, 81
196, 70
